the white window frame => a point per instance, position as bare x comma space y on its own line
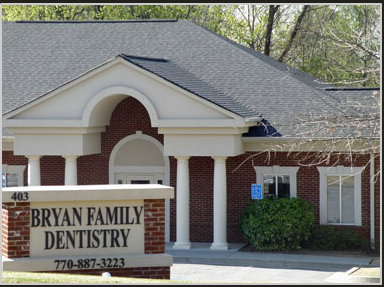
19, 169
337, 171
277, 170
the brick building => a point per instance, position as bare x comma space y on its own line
169, 102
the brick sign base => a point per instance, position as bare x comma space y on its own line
154, 263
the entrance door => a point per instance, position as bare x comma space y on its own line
139, 159
140, 179
129, 178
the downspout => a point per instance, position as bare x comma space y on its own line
372, 200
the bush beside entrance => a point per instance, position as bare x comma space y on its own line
329, 238
277, 224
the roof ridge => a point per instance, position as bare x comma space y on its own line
193, 91
264, 58
126, 56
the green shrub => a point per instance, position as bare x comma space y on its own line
327, 237
277, 224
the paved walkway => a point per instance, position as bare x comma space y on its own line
338, 266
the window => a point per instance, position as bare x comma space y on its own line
340, 195
276, 180
276, 185
12, 175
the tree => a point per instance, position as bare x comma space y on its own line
271, 18
294, 32
209, 16
340, 45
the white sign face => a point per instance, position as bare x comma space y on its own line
86, 228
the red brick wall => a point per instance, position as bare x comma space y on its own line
154, 214
130, 116
9, 158
15, 229
52, 170
308, 183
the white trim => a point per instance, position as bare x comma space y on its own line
279, 170
194, 129
340, 170
7, 143
282, 144
202, 123
119, 90
139, 169
99, 192
138, 135
238, 120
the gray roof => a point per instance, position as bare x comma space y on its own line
40, 56
182, 78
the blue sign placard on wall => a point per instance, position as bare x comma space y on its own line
256, 191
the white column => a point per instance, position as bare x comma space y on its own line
182, 204
219, 204
34, 170
70, 170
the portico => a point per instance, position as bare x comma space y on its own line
186, 126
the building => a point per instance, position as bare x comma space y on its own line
169, 102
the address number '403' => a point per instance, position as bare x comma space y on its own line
20, 196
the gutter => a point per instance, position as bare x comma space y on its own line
8, 138
372, 201
253, 119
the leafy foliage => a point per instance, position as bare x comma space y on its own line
277, 224
208, 16
328, 238
338, 44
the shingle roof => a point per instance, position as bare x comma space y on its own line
182, 78
40, 56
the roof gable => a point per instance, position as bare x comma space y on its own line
38, 57
75, 101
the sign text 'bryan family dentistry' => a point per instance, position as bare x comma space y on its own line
86, 227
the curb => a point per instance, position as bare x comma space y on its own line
346, 277
264, 263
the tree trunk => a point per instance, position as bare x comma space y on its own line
268, 35
294, 32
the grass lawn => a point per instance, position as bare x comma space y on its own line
30, 277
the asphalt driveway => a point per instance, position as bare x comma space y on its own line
203, 273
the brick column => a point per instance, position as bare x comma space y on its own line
15, 229
154, 218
